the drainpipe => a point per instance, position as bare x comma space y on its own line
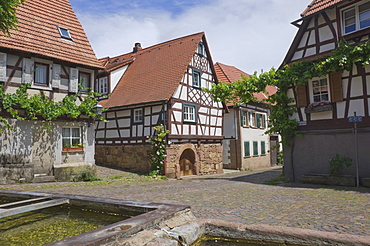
238, 139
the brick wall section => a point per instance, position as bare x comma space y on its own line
208, 158
133, 157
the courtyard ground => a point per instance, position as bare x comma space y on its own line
250, 197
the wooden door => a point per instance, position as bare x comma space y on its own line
187, 161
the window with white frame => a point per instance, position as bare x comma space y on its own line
251, 119
319, 90
71, 137
189, 113
84, 81
138, 115
356, 17
41, 73
103, 85
197, 78
243, 118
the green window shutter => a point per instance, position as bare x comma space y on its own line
242, 123
263, 148
255, 148
258, 116
246, 149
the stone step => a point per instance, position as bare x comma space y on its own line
43, 179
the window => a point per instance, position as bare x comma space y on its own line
246, 149
319, 90
103, 85
138, 115
255, 148
64, 33
189, 113
261, 120
243, 118
200, 50
84, 81
356, 18
197, 78
251, 119
263, 148
71, 137
41, 73
163, 116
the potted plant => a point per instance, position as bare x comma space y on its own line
319, 107
69, 147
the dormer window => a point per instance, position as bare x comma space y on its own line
356, 18
64, 33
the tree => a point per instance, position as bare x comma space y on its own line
8, 18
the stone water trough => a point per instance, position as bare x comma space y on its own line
173, 225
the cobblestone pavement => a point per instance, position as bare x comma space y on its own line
242, 197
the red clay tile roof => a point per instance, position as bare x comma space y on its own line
229, 74
38, 33
154, 73
318, 5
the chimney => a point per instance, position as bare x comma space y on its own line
136, 48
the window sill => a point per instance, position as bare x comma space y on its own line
356, 34
318, 109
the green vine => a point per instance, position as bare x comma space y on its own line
297, 73
20, 105
157, 155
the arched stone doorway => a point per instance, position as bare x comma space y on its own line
187, 163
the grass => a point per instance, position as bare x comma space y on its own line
276, 181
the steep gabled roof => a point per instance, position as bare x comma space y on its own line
38, 33
229, 74
318, 5
154, 73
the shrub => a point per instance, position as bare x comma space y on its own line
85, 175
338, 162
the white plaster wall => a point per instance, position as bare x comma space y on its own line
116, 75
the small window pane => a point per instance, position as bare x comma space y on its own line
349, 13
41, 73
365, 23
84, 81
65, 132
364, 7
75, 132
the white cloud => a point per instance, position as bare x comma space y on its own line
249, 34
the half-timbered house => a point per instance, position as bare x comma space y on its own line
161, 84
326, 129
49, 51
246, 146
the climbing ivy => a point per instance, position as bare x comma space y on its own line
20, 105
297, 73
157, 155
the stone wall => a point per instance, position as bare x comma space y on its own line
208, 159
132, 157
310, 154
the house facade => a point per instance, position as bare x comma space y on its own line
326, 130
246, 146
161, 84
51, 53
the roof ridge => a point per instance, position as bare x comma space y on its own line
147, 49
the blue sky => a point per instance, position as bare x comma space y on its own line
249, 34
